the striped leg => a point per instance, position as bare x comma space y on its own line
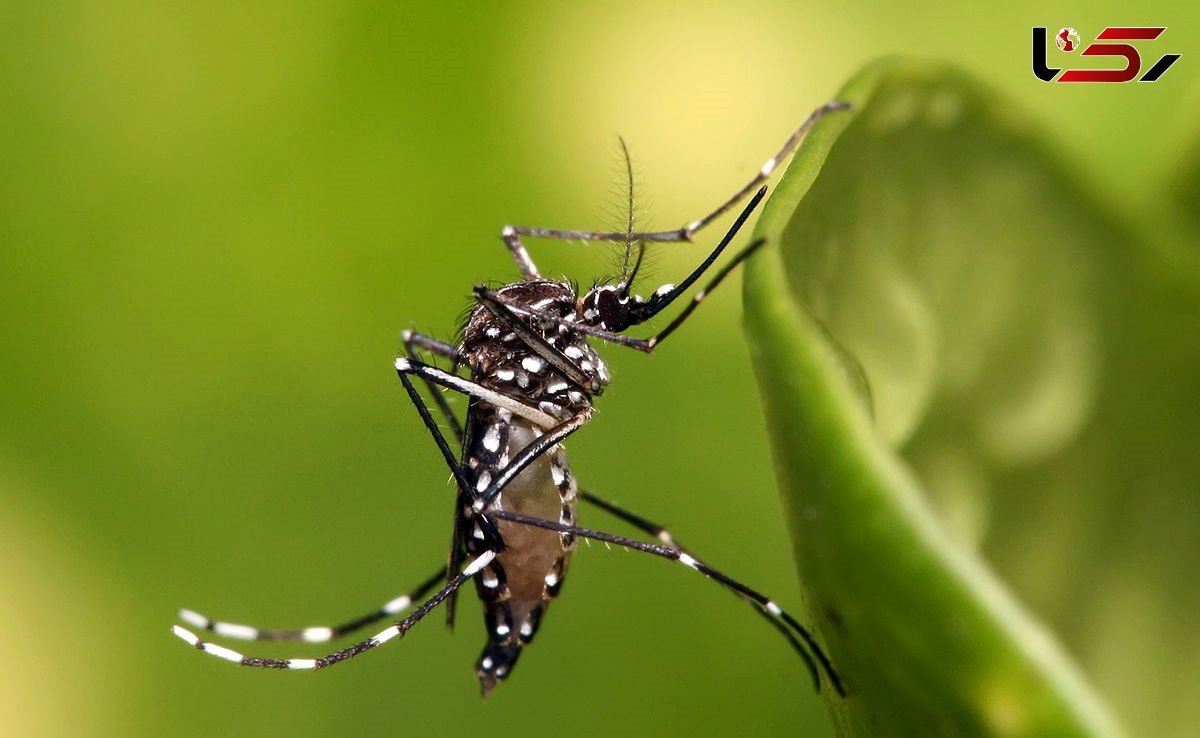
463, 497
786, 629
429, 373
397, 629
316, 633
512, 234
412, 342
672, 552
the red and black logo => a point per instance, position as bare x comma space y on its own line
1067, 41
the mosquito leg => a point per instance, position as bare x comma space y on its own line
512, 239
412, 342
637, 521
663, 535
681, 234
768, 167
314, 634
461, 499
761, 601
404, 365
397, 629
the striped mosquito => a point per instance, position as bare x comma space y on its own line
533, 376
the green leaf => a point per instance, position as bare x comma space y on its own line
927, 325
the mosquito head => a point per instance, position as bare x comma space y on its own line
612, 308
608, 307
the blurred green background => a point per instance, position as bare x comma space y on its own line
214, 222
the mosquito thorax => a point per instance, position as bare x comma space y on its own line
500, 359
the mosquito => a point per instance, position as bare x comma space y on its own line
533, 376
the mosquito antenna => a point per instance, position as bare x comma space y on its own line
627, 282
628, 273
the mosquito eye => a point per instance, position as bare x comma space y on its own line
612, 310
